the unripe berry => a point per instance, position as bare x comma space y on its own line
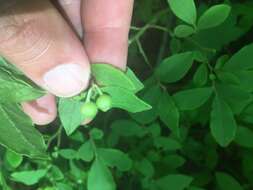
104, 102
212, 77
89, 110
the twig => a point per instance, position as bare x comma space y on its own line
144, 54
59, 137
56, 135
162, 47
142, 30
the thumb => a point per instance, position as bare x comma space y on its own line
35, 38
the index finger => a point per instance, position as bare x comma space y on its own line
106, 27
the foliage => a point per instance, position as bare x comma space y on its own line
195, 58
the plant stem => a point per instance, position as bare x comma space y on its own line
162, 28
135, 28
144, 54
142, 30
89, 94
59, 137
97, 89
162, 47
56, 135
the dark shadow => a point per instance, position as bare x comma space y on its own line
22, 6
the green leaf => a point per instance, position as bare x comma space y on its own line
113, 139
68, 154
234, 96
77, 172
63, 186
174, 68
175, 45
29, 177
56, 173
229, 78
16, 88
242, 60
247, 164
220, 36
169, 113
49, 188
100, 177
153, 155
18, 133
3, 183
245, 78
85, 152
203, 178
77, 136
167, 144
221, 61
184, 9
200, 57
96, 134
145, 167
195, 188
127, 128
226, 181
115, 158
193, 98
201, 75
223, 125
126, 100
244, 137
174, 181
137, 83
214, 16
174, 161
149, 96
107, 75
183, 31
154, 129
247, 113
211, 158
70, 114
13, 158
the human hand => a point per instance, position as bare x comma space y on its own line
52, 52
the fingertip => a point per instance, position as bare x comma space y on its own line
45, 48
106, 34
42, 111
66, 80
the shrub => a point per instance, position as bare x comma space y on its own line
188, 127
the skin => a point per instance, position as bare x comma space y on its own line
54, 43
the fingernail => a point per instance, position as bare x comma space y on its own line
66, 80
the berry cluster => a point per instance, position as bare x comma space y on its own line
90, 109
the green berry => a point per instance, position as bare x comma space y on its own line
89, 110
104, 102
212, 77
